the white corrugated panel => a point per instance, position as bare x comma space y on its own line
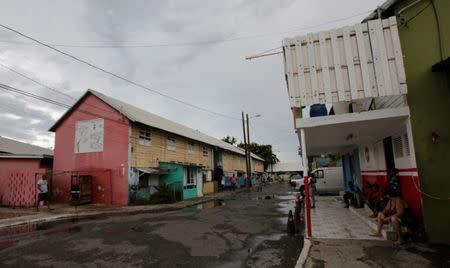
349, 63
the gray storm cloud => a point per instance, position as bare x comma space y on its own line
213, 75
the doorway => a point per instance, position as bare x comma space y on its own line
388, 153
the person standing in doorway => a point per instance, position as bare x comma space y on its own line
233, 182
42, 186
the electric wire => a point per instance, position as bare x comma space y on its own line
63, 105
195, 43
35, 81
50, 46
119, 76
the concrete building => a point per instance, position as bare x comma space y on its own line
130, 153
20, 165
424, 30
385, 79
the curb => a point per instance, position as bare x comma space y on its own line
304, 254
87, 214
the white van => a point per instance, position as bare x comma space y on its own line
329, 180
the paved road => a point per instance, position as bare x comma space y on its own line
245, 230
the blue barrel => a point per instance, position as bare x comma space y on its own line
318, 110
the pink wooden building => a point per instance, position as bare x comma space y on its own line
20, 165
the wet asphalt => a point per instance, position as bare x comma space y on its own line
247, 229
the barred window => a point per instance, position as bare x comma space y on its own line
205, 151
398, 146
171, 143
190, 147
145, 137
407, 149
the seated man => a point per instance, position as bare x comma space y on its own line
393, 212
349, 195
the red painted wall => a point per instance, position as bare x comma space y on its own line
108, 168
9, 164
409, 185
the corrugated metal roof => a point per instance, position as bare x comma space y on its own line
13, 148
138, 115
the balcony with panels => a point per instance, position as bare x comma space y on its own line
355, 75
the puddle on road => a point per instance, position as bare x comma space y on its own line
7, 244
243, 254
28, 228
206, 205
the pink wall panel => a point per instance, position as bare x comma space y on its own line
13, 164
20, 187
108, 168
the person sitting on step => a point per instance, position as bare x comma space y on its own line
393, 212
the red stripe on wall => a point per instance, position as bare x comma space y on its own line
371, 171
384, 170
410, 187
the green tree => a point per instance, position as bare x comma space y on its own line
264, 151
230, 140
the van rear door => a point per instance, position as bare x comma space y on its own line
335, 179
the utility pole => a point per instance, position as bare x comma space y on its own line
248, 150
245, 147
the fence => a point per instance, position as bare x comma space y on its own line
19, 187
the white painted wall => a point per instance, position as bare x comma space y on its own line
375, 159
376, 152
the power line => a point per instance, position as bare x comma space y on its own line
50, 88
196, 43
72, 126
118, 76
37, 82
31, 95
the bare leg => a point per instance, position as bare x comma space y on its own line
397, 228
379, 224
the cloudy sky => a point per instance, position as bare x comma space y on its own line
177, 59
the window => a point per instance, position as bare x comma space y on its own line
143, 180
398, 146
171, 143
407, 149
205, 151
190, 147
189, 177
145, 136
319, 174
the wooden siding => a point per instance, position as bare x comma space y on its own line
150, 155
345, 64
233, 162
236, 162
257, 166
